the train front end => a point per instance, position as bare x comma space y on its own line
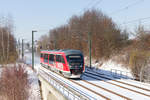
75, 64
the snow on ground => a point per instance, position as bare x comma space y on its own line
72, 85
122, 91
33, 78
128, 81
34, 90
111, 67
128, 91
108, 65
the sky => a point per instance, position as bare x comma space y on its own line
43, 15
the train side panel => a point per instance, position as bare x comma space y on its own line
59, 62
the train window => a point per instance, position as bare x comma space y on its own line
46, 58
41, 55
51, 58
75, 58
60, 58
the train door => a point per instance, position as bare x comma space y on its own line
55, 67
42, 57
51, 60
46, 59
60, 62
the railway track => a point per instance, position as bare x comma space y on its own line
112, 79
99, 78
92, 91
83, 97
107, 91
100, 87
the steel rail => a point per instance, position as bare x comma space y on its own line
75, 91
85, 87
119, 81
61, 85
118, 85
108, 90
91, 90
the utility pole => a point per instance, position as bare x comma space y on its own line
33, 49
90, 44
22, 50
19, 47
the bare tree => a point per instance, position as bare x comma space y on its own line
106, 37
8, 51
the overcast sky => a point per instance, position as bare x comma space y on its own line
43, 15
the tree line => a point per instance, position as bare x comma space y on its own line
8, 53
106, 36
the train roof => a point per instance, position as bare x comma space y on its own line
66, 51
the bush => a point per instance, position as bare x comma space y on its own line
139, 62
14, 83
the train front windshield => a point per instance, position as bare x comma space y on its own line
75, 60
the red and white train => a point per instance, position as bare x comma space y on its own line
70, 63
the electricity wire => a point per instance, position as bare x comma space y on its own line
137, 20
126, 7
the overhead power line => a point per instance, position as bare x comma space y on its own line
92, 4
133, 21
96, 3
86, 6
126, 7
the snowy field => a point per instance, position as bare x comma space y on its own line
115, 89
33, 79
34, 90
111, 67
